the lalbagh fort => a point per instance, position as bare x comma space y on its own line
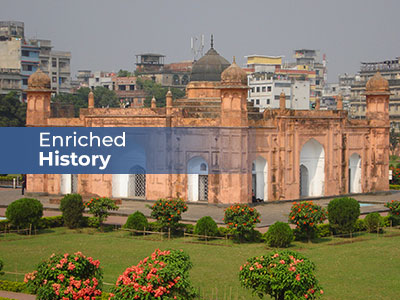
277, 154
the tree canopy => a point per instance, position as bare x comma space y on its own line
103, 97
158, 91
124, 73
12, 111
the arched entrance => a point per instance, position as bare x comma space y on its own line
69, 184
260, 179
355, 173
312, 158
197, 170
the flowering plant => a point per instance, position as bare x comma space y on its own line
163, 275
394, 212
66, 277
306, 215
284, 275
395, 175
241, 219
168, 212
100, 207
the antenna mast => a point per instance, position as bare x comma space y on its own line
197, 46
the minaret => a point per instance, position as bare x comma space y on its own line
317, 103
38, 99
282, 101
91, 99
377, 98
168, 102
339, 102
153, 102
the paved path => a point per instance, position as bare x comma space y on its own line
270, 212
18, 296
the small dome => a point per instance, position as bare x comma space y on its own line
377, 84
39, 81
209, 67
234, 75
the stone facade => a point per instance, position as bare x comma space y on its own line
280, 154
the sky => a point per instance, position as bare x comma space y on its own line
106, 35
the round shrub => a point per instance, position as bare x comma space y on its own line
373, 222
66, 276
137, 221
72, 209
163, 275
168, 212
343, 214
242, 219
206, 226
360, 225
24, 212
306, 216
279, 235
282, 275
100, 208
394, 213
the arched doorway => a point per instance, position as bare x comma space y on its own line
197, 170
303, 181
312, 158
69, 184
137, 182
355, 173
260, 179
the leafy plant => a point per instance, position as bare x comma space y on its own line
168, 212
206, 226
163, 275
283, 275
72, 209
394, 211
100, 207
343, 214
323, 230
66, 277
25, 211
373, 222
137, 221
279, 234
306, 215
242, 219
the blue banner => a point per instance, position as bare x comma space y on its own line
123, 150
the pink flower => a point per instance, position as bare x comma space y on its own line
282, 261
61, 277
321, 291
71, 266
298, 277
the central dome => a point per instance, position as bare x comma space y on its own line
209, 67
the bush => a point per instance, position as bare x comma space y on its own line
306, 215
394, 212
279, 235
242, 219
223, 231
137, 221
394, 186
13, 286
360, 225
1, 267
282, 275
206, 226
71, 276
100, 207
386, 222
343, 214
373, 222
163, 273
168, 212
323, 230
25, 211
72, 209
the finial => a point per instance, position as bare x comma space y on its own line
234, 60
212, 41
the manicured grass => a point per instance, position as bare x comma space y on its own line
366, 269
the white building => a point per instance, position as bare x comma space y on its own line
101, 78
265, 90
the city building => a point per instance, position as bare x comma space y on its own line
101, 78
83, 77
390, 70
128, 91
278, 154
10, 29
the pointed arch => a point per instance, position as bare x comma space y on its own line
260, 179
355, 173
197, 179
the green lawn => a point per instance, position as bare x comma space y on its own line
366, 269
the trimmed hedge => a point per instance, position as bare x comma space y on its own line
72, 210
343, 214
10, 178
394, 186
373, 222
137, 221
279, 235
13, 286
24, 211
206, 226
